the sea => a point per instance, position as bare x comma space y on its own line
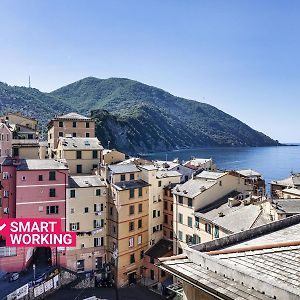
272, 162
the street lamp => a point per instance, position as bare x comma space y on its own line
33, 267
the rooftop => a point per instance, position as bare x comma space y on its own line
132, 184
287, 206
120, 169
232, 219
292, 191
262, 261
165, 174
291, 181
40, 164
211, 175
193, 187
166, 165
85, 181
80, 143
248, 173
72, 116
162, 248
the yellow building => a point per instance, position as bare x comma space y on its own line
86, 209
83, 155
112, 156
128, 222
71, 124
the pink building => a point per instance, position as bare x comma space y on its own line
5, 141
40, 192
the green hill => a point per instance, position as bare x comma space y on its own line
136, 117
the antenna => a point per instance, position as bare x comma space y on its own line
166, 157
29, 83
108, 142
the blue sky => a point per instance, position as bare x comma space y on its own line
240, 56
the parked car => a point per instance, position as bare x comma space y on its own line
13, 277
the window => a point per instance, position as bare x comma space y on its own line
123, 178
74, 124
158, 213
142, 254
131, 193
98, 242
98, 224
139, 241
217, 232
80, 265
95, 153
154, 213
165, 205
78, 168
98, 207
52, 175
51, 210
190, 202
140, 207
162, 273
207, 227
180, 200
60, 124
171, 207
159, 183
5, 175
166, 219
87, 134
41, 178
72, 193
111, 211
131, 209
87, 125
180, 250
152, 274
132, 259
131, 226
74, 226
180, 235
190, 222
180, 218
74, 134
131, 242
72, 210
98, 192
99, 263
86, 210
196, 239
220, 183
52, 193
140, 192
188, 239
152, 260
140, 223
132, 176
60, 134
78, 154
6, 194
23, 178
197, 222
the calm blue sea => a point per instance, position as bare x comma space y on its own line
271, 162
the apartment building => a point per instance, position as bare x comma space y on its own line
112, 156
195, 194
71, 124
5, 141
25, 135
83, 155
201, 164
86, 215
291, 193
277, 186
128, 222
168, 212
157, 180
254, 180
38, 190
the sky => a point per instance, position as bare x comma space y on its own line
240, 56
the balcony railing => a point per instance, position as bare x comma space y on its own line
8, 251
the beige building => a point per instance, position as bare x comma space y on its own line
203, 190
158, 180
112, 156
83, 155
290, 193
21, 120
128, 222
71, 124
86, 213
277, 186
196, 164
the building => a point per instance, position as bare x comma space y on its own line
43, 150
86, 214
277, 186
254, 180
168, 212
157, 180
5, 141
128, 222
38, 190
260, 263
112, 156
25, 135
71, 124
289, 193
196, 194
201, 164
152, 276
278, 209
83, 155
